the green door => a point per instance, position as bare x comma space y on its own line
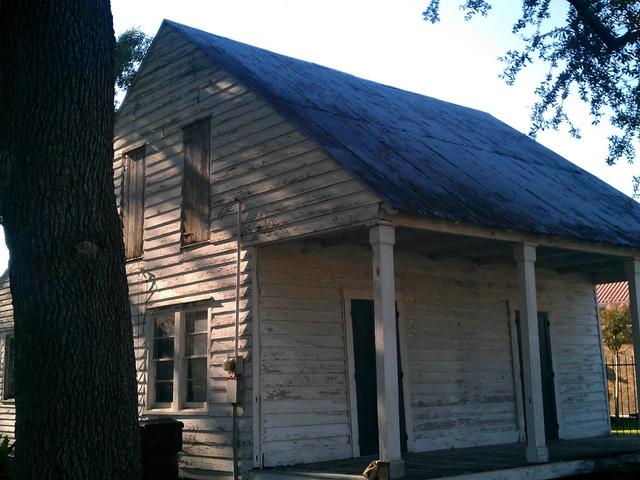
546, 370
364, 354
548, 387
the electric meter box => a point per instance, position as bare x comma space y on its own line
233, 393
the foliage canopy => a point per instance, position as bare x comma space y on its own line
594, 53
131, 47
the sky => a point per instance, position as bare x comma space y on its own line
388, 41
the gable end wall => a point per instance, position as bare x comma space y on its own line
288, 185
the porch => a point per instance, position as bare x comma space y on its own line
456, 359
496, 462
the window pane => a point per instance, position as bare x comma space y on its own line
164, 392
196, 322
197, 380
164, 370
196, 344
163, 327
197, 369
163, 348
196, 391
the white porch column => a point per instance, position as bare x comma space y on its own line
525, 257
632, 268
382, 238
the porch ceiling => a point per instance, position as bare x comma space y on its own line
438, 246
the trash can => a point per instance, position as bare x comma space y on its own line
161, 440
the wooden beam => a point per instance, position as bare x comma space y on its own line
503, 257
474, 251
579, 260
557, 259
351, 236
450, 247
609, 276
382, 238
478, 231
452, 242
594, 267
525, 257
497, 249
550, 255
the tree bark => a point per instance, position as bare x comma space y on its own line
76, 400
591, 20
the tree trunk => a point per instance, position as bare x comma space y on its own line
76, 399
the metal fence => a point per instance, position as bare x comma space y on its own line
623, 407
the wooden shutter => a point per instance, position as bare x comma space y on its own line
195, 188
133, 202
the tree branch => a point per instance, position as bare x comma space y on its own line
592, 21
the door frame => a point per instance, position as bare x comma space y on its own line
517, 379
362, 294
553, 349
515, 350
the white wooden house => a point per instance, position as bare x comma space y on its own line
7, 407
410, 275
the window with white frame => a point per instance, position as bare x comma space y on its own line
178, 359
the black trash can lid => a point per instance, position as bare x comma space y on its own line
152, 422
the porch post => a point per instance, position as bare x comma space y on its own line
382, 239
525, 257
632, 268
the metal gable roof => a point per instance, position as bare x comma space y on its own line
429, 157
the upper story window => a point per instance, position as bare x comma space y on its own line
178, 359
9, 366
133, 202
195, 187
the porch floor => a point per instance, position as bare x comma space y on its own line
566, 457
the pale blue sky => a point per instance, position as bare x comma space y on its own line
387, 41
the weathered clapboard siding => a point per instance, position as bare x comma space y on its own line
458, 338
286, 182
7, 408
6, 307
288, 185
460, 349
578, 364
305, 410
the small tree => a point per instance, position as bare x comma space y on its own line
616, 332
131, 47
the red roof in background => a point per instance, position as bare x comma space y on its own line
612, 293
